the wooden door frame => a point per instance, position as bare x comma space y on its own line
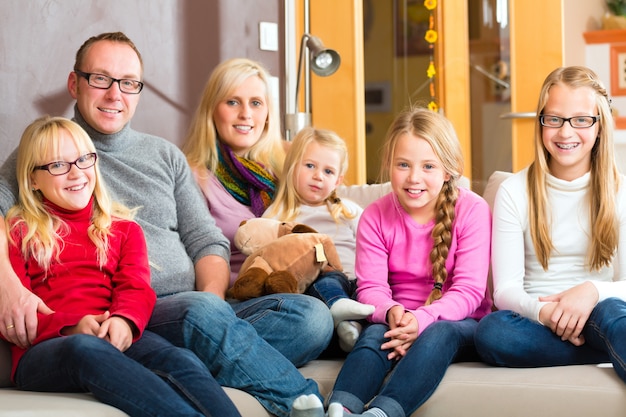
452, 84
534, 54
338, 101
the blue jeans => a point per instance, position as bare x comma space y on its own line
401, 387
249, 354
277, 318
505, 338
151, 378
332, 286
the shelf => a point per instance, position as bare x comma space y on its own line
605, 36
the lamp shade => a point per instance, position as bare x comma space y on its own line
324, 62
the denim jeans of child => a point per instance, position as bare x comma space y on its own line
151, 378
409, 381
505, 338
332, 286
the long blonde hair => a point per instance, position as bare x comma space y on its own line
604, 175
287, 202
200, 146
43, 231
441, 136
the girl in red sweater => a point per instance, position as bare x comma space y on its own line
88, 261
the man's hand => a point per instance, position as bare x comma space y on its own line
568, 312
18, 311
18, 305
403, 332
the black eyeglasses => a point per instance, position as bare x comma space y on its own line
61, 167
104, 82
577, 122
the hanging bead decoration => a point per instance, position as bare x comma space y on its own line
431, 38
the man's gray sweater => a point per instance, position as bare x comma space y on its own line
148, 172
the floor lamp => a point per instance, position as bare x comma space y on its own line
323, 62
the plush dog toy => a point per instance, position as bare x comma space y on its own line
283, 257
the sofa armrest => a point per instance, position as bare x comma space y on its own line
493, 184
363, 195
5, 365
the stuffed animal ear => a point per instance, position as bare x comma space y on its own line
303, 228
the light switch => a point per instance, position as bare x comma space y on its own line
268, 36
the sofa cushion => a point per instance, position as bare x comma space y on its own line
15, 403
467, 389
476, 389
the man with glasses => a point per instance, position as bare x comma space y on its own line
189, 256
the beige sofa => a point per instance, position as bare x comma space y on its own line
468, 389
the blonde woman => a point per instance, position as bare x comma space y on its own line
88, 262
559, 229
235, 147
236, 152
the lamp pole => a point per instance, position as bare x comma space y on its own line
307, 58
294, 119
324, 61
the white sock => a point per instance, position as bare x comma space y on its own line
336, 410
348, 332
307, 406
348, 309
374, 412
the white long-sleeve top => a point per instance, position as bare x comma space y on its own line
518, 277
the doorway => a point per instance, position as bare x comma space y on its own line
490, 89
531, 55
396, 58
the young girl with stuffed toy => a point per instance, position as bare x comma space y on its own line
422, 260
86, 259
314, 166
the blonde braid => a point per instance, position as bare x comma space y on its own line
442, 237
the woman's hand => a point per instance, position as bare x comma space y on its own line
568, 312
403, 332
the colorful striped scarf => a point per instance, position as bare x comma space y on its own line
247, 181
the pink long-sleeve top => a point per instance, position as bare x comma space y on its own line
393, 266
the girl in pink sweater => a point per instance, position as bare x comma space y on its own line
422, 259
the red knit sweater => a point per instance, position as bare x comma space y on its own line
75, 285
